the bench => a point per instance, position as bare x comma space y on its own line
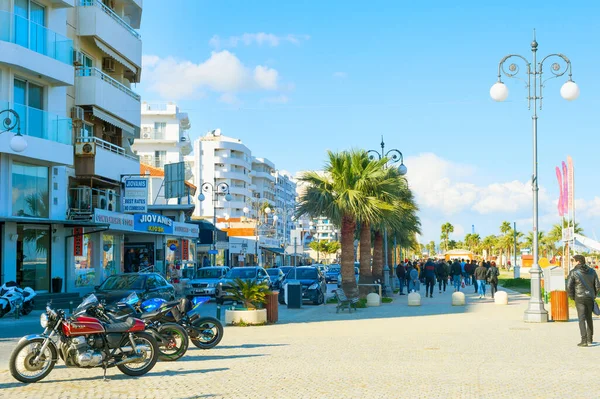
344, 301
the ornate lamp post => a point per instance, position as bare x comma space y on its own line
220, 189
255, 203
11, 121
394, 156
534, 82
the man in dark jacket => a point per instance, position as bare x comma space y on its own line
441, 273
429, 275
401, 273
480, 276
492, 276
456, 272
582, 287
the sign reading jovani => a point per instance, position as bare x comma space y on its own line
153, 223
135, 199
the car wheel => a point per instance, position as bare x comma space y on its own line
320, 299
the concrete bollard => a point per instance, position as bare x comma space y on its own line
501, 298
458, 299
414, 299
373, 300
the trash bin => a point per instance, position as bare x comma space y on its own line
559, 305
57, 285
273, 307
294, 295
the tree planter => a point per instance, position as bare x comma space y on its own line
256, 316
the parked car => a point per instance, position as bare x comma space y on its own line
332, 273
313, 284
255, 273
322, 268
145, 285
205, 281
285, 270
276, 276
356, 276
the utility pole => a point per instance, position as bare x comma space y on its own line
295, 256
515, 241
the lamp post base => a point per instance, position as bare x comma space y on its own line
535, 312
517, 271
386, 279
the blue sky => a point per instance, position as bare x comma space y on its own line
293, 79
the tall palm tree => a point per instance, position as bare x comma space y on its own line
447, 228
489, 243
503, 241
342, 195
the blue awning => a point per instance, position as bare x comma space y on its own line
275, 250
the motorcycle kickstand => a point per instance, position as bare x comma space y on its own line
104, 373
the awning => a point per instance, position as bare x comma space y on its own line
98, 113
113, 54
69, 223
274, 249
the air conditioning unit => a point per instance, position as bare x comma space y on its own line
99, 201
111, 200
77, 114
146, 135
77, 58
108, 64
85, 149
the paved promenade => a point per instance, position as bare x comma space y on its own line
433, 351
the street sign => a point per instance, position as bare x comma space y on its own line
213, 252
135, 199
175, 180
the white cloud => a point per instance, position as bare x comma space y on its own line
282, 99
229, 98
223, 72
340, 75
260, 39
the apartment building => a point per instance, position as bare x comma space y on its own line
285, 204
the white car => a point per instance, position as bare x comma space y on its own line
356, 275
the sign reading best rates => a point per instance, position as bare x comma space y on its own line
135, 199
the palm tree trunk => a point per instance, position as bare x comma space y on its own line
366, 276
391, 259
348, 279
378, 255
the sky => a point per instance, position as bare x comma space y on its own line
294, 79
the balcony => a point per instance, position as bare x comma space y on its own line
48, 135
106, 160
157, 162
28, 46
95, 88
232, 161
263, 175
232, 175
155, 134
99, 21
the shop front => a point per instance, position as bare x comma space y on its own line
242, 251
271, 254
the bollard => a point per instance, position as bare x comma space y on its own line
219, 312
70, 306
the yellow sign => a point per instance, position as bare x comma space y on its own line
543, 262
172, 242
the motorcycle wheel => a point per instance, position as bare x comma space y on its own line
206, 332
21, 363
176, 342
148, 359
3, 312
27, 308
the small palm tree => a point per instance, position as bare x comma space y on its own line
249, 292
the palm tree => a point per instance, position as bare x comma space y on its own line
528, 243
431, 248
342, 195
447, 228
489, 243
503, 241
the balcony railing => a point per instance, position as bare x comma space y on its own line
95, 72
106, 146
35, 37
157, 162
111, 13
44, 125
153, 134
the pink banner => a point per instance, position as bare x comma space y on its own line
571, 184
560, 190
565, 189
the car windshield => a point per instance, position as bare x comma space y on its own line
208, 273
273, 272
124, 282
302, 274
240, 272
334, 270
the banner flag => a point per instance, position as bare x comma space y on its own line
565, 189
560, 190
571, 185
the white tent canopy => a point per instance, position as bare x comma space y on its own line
587, 243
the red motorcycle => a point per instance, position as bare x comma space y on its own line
85, 342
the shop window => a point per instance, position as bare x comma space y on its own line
30, 190
111, 255
85, 273
33, 254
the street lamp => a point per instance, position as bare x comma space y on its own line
255, 203
394, 156
499, 92
216, 189
18, 142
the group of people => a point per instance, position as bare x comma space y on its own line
459, 272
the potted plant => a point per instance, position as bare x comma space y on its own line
56, 285
252, 296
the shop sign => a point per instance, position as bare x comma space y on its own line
185, 230
185, 249
172, 244
116, 221
135, 199
78, 241
153, 223
268, 242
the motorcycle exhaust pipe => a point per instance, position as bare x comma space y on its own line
129, 360
129, 349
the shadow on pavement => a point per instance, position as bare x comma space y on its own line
215, 357
248, 346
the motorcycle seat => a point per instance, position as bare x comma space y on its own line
171, 304
120, 327
151, 315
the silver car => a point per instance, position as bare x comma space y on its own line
205, 281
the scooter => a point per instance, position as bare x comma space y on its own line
12, 297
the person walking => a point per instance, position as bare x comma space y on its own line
480, 276
414, 280
441, 273
468, 272
130, 261
456, 272
583, 286
429, 274
401, 274
492, 276
472, 272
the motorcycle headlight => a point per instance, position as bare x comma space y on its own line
314, 286
44, 320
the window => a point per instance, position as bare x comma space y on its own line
161, 281
30, 190
87, 132
29, 104
30, 21
151, 283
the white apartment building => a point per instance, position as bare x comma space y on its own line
285, 204
220, 159
321, 228
263, 180
164, 137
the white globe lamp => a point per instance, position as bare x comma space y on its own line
402, 169
246, 210
569, 91
18, 143
201, 197
228, 197
499, 92
267, 210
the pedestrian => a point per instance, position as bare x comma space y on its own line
492, 276
472, 271
130, 260
441, 273
480, 276
205, 261
468, 271
429, 274
414, 280
583, 286
409, 267
455, 270
401, 274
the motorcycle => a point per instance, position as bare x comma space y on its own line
84, 342
13, 297
204, 332
173, 340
